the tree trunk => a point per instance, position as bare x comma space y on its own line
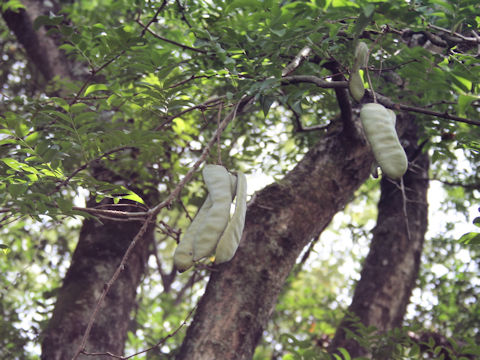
97, 255
391, 267
281, 220
41, 49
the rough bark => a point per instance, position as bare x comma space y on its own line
41, 49
391, 267
281, 220
98, 253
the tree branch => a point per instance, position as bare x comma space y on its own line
184, 47
295, 79
387, 102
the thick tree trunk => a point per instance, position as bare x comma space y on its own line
391, 267
97, 255
281, 220
42, 50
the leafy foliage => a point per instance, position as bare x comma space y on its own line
144, 99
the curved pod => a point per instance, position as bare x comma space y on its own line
228, 243
183, 257
379, 126
355, 85
219, 186
361, 56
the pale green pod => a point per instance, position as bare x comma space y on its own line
355, 85
219, 186
183, 257
361, 56
233, 184
380, 132
228, 243
392, 116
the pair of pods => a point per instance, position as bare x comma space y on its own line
355, 83
212, 230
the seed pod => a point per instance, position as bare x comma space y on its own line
219, 186
355, 85
228, 243
379, 126
183, 257
233, 184
361, 56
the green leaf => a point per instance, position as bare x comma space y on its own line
134, 197
47, 20
12, 163
266, 102
94, 88
471, 238
345, 354
64, 204
17, 190
12, 5
464, 102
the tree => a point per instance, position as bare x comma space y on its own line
126, 101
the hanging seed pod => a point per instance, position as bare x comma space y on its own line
379, 126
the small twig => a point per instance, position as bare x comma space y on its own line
186, 211
398, 106
113, 213
169, 231
392, 68
154, 18
370, 85
209, 103
137, 205
451, 183
2, 223
454, 33
297, 61
193, 77
93, 73
87, 98
188, 285
159, 343
295, 79
299, 126
185, 47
